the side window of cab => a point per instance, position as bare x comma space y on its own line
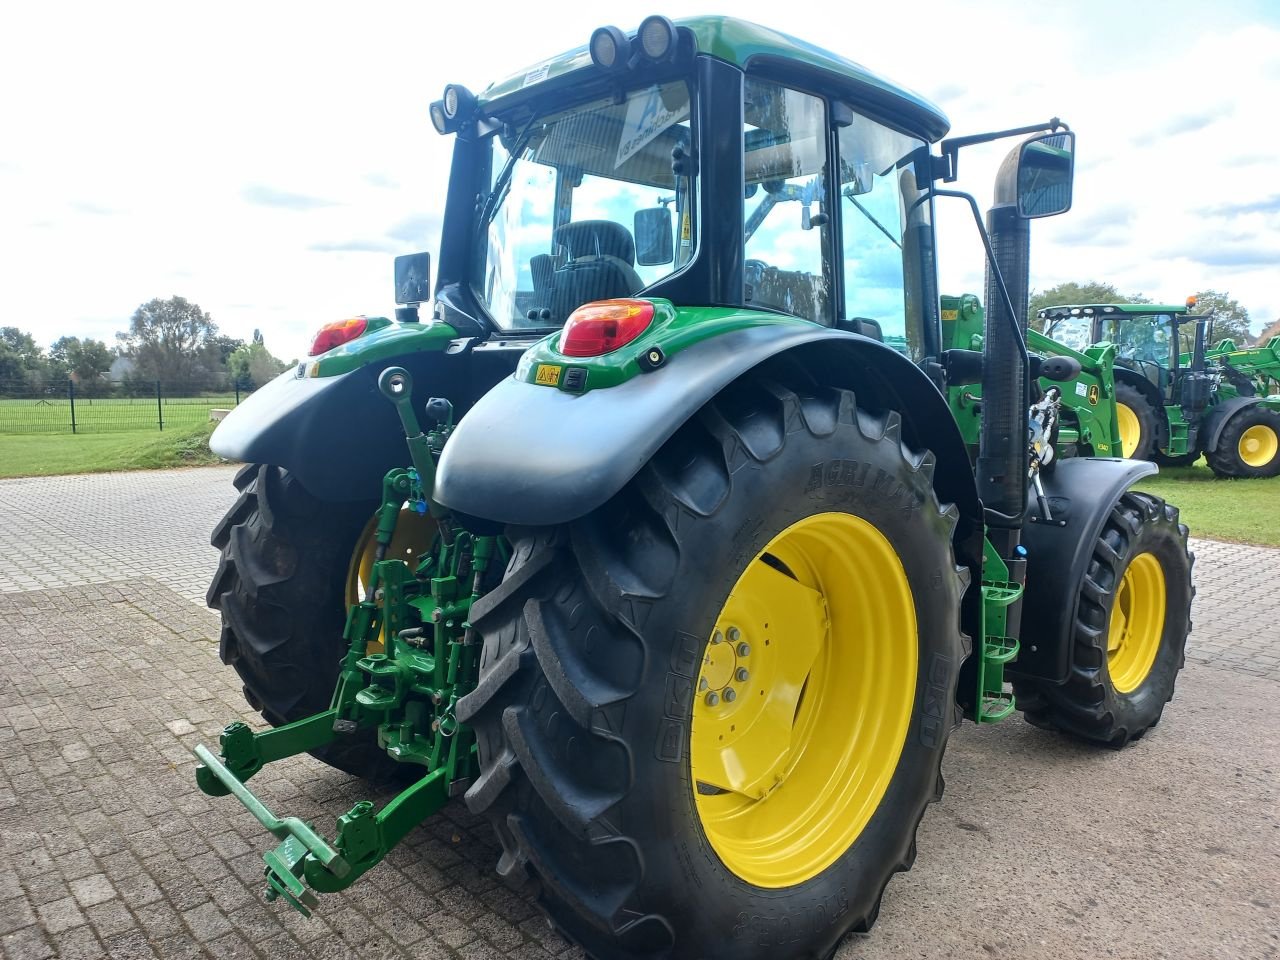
788, 242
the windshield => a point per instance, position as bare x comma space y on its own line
587, 204
1074, 331
1144, 337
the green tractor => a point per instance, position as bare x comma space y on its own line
691, 571
1175, 398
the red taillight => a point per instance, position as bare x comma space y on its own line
604, 326
337, 333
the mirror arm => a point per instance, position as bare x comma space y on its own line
1018, 338
947, 168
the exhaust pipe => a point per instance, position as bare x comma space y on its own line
1002, 458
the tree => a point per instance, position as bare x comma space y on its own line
1090, 292
22, 361
172, 340
253, 365
84, 360
221, 348
1230, 320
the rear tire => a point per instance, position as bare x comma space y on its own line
588, 691
1182, 460
1139, 423
1112, 695
1249, 445
281, 590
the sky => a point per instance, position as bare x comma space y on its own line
268, 160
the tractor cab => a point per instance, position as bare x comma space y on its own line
1155, 341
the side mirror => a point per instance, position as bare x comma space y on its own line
413, 278
654, 243
1046, 169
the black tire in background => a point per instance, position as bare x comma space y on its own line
1148, 419
281, 590
1226, 458
1089, 705
594, 639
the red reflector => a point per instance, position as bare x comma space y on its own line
337, 333
604, 326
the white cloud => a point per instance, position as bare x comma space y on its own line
258, 158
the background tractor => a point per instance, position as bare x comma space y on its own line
692, 571
1175, 398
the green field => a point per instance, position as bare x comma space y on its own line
50, 415
33, 455
1242, 511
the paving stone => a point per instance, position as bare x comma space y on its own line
93, 890
107, 848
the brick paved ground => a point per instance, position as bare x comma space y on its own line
1041, 848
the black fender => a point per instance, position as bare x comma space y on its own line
338, 434
1216, 417
535, 456
1081, 493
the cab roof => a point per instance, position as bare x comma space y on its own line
1104, 308
742, 43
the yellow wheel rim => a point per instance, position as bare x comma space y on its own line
413, 536
1137, 623
803, 700
1258, 445
1130, 429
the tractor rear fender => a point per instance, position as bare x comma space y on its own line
1216, 417
1082, 492
536, 456
337, 434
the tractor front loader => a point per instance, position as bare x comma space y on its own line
682, 571
1176, 398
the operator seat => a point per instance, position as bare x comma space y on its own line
599, 264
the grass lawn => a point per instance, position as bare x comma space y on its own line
1243, 511
94, 415
34, 455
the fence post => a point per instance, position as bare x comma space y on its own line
159, 407
237, 393
71, 395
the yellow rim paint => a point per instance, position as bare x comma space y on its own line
1258, 445
1137, 623
803, 700
1130, 429
413, 536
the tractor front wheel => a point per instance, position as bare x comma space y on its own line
711, 714
1133, 614
1249, 445
1138, 422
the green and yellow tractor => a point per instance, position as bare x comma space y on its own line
656, 541
1176, 397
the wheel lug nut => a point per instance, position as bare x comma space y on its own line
742, 675
717, 637
702, 684
744, 650
713, 698
734, 634
730, 695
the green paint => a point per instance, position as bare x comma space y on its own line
741, 43
1088, 414
387, 340
408, 694
999, 592
672, 329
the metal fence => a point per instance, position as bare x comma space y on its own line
63, 406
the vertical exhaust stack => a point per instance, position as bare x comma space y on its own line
1002, 460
